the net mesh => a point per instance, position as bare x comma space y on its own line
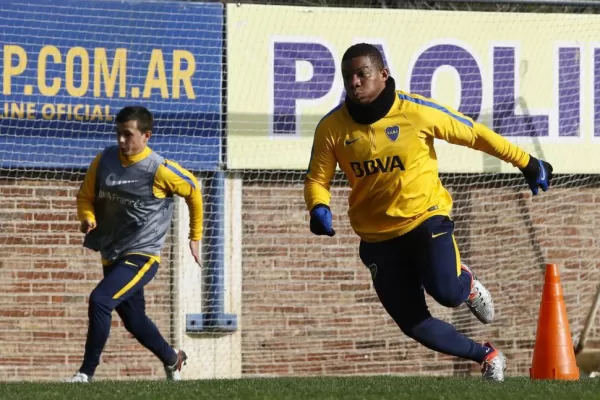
330, 321
68, 67
305, 304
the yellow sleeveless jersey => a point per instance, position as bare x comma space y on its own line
391, 165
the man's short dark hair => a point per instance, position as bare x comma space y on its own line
139, 114
364, 50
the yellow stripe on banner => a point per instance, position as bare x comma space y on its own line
458, 271
135, 279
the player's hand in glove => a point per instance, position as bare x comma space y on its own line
538, 174
321, 220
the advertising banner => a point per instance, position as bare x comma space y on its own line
69, 66
533, 78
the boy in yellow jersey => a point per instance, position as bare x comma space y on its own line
382, 139
125, 206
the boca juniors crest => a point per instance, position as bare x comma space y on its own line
392, 132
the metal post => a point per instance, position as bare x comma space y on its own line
213, 317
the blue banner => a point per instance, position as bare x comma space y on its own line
69, 66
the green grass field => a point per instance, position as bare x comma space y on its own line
367, 388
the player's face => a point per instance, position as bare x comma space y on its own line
363, 80
130, 139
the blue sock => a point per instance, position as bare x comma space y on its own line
442, 337
465, 279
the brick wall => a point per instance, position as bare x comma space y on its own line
309, 308
308, 305
45, 279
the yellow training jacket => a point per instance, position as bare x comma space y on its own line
391, 164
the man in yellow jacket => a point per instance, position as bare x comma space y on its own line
382, 138
125, 206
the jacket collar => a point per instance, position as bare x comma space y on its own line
372, 112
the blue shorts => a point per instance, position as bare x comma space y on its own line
424, 259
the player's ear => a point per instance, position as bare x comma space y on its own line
385, 74
146, 135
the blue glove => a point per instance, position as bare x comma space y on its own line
321, 221
538, 174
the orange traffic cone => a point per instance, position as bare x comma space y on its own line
553, 354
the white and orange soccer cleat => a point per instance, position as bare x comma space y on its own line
494, 365
480, 300
174, 372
